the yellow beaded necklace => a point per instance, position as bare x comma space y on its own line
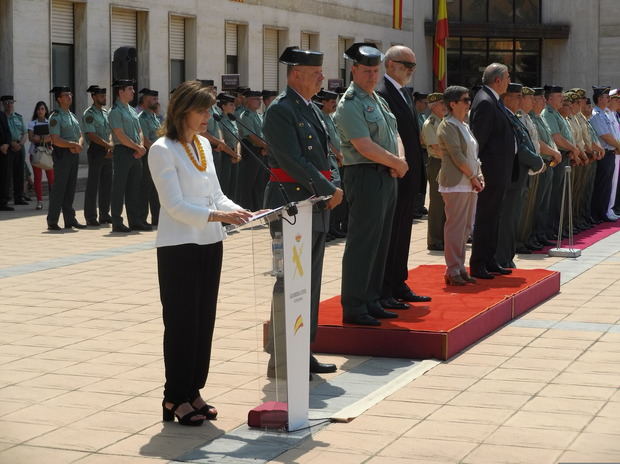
203, 159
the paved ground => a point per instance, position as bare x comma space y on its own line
81, 366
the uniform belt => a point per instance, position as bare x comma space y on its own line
280, 175
377, 166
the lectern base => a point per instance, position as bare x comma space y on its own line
270, 415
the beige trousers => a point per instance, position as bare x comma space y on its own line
460, 212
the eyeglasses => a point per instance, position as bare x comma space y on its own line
466, 100
406, 64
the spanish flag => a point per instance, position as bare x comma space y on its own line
397, 19
439, 52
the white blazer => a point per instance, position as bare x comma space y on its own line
187, 195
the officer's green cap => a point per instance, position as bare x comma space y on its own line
365, 53
327, 95
225, 98
539, 91
435, 97
149, 92
124, 83
580, 92
600, 90
252, 93
269, 93
294, 56
96, 90
60, 89
7, 98
553, 89
571, 97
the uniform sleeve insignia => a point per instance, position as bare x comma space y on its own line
370, 109
89, 119
53, 123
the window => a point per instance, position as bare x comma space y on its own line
232, 45
271, 39
493, 11
177, 51
63, 61
344, 66
467, 58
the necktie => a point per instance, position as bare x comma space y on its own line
407, 98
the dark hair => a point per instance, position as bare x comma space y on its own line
189, 96
595, 97
36, 107
453, 94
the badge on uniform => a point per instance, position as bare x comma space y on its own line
89, 119
53, 123
370, 109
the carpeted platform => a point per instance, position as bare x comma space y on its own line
456, 318
587, 238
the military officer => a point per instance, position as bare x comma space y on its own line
150, 125
369, 135
240, 101
551, 155
421, 107
562, 136
128, 149
252, 179
16, 153
227, 175
67, 142
299, 160
436, 212
527, 161
97, 130
268, 97
327, 101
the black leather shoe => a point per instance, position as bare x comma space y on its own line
75, 224
93, 223
380, 313
412, 297
364, 319
317, 367
480, 273
392, 303
142, 227
497, 269
121, 228
418, 216
534, 246
105, 220
21, 202
53, 227
524, 251
337, 234
435, 248
6, 208
545, 242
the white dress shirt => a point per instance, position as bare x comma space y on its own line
398, 87
187, 195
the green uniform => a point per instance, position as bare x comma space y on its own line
436, 210
590, 176
127, 169
17, 158
239, 111
148, 194
557, 125
541, 220
252, 179
229, 170
99, 182
297, 139
64, 124
527, 160
371, 195
213, 128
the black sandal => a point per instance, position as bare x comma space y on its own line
207, 410
170, 414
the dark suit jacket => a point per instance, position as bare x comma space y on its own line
5, 132
526, 158
297, 139
495, 136
409, 134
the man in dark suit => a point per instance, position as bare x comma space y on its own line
298, 157
497, 147
400, 65
5, 141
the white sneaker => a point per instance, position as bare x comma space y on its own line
612, 215
39, 205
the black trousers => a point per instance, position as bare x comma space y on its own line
148, 194
5, 176
252, 180
98, 183
543, 203
126, 186
63, 190
602, 185
396, 269
17, 159
189, 280
486, 225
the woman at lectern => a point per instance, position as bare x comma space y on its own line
189, 249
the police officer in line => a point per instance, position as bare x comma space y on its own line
240, 101
67, 142
16, 152
252, 179
150, 125
369, 136
128, 149
327, 101
421, 104
561, 135
436, 210
299, 160
227, 175
527, 161
97, 131
268, 97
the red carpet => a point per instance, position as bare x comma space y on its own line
456, 318
588, 238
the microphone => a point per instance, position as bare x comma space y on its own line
291, 208
232, 117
